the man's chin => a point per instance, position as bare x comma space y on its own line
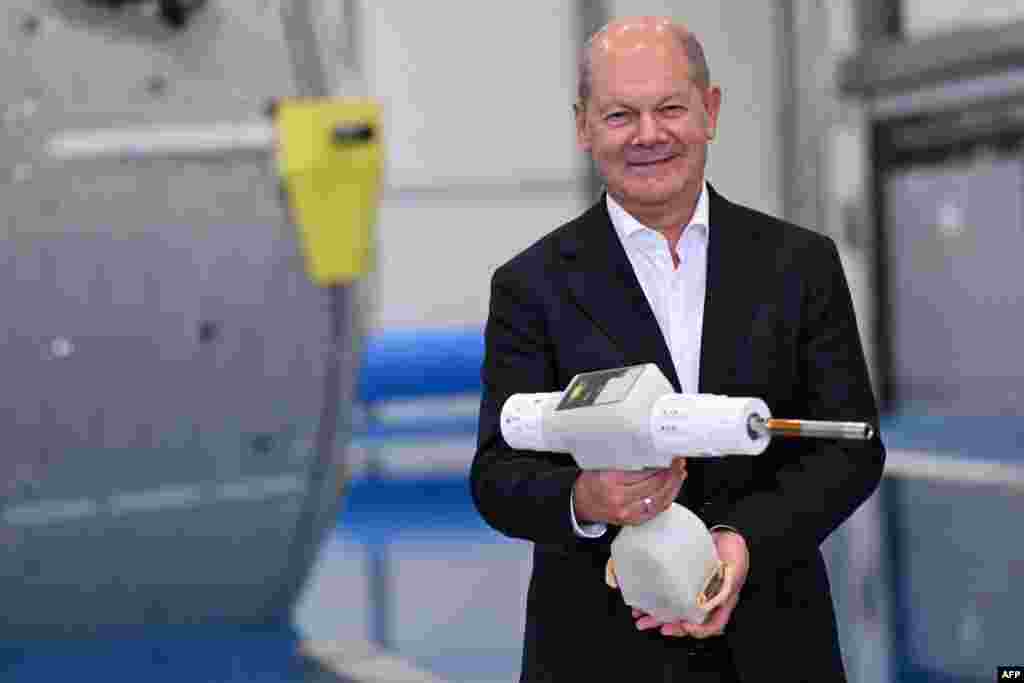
648, 196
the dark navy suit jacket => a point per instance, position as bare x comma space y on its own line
779, 325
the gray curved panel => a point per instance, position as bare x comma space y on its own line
166, 412
164, 384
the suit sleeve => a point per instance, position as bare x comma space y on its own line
817, 483
523, 494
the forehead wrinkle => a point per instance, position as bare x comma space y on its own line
621, 81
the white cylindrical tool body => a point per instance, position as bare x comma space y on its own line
614, 435
707, 425
604, 424
522, 421
632, 421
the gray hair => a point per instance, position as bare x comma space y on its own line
700, 74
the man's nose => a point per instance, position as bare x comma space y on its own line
648, 131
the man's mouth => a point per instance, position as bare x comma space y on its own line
650, 163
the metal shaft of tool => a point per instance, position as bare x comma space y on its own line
819, 429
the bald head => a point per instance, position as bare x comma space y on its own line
625, 35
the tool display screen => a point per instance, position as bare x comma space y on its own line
599, 388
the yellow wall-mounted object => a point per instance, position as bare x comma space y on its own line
329, 157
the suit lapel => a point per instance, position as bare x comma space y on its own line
734, 254
733, 270
604, 286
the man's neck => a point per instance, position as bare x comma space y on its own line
669, 218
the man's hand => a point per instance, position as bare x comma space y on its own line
623, 497
732, 550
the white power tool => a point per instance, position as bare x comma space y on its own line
631, 418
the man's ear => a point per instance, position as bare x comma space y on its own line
582, 128
712, 98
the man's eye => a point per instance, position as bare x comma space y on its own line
616, 117
673, 110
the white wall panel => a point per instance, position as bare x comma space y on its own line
437, 255
739, 40
473, 90
477, 104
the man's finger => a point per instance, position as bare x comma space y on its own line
670, 490
726, 591
647, 622
712, 627
699, 631
609, 575
647, 487
646, 500
716, 623
675, 629
630, 478
651, 495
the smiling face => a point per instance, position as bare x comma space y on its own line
646, 123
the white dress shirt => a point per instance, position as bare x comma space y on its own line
676, 295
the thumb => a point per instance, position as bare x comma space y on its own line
609, 575
724, 590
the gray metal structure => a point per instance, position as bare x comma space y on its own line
593, 14
956, 330
947, 148
946, 127
172, 381
889, 66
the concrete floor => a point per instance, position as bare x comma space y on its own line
457, 589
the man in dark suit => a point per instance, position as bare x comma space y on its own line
725, 300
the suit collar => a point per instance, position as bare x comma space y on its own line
735, 258
626, 226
